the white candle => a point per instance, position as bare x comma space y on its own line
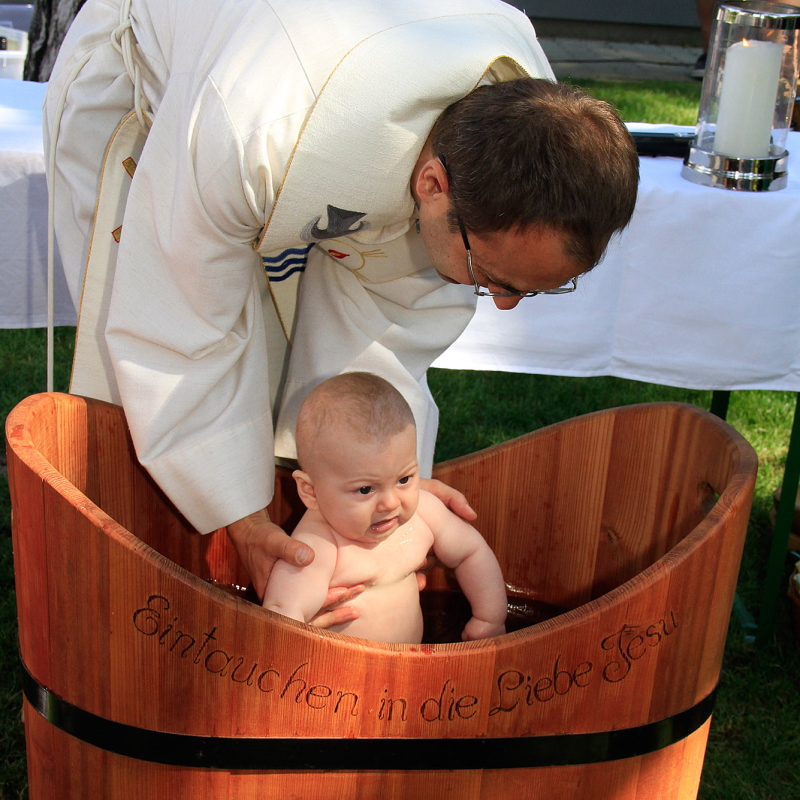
747, 100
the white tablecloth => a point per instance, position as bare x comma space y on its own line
701, 291
23, 213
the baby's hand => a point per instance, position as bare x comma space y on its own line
479, 629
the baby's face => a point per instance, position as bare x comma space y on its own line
366, 490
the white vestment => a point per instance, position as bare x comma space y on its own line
283, 138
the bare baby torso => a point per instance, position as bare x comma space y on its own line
389, 606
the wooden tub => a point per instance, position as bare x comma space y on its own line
142, 680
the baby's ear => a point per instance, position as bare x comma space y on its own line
305, 488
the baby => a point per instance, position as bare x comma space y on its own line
369, 522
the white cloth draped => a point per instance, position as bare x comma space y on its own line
23, 213
701, 291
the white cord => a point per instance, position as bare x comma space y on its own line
123, 40
51, 208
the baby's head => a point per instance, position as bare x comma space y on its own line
357, 448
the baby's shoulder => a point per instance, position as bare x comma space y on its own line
315, 531
430, 508
444, 524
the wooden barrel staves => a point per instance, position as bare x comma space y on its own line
143, 680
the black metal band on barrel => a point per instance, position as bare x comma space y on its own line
361, 754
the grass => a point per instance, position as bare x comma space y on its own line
648, 101
755, 735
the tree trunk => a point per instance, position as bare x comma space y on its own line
51, 19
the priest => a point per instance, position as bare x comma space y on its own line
250, 197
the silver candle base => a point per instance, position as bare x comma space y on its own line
743, 174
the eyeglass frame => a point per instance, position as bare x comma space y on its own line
479, 290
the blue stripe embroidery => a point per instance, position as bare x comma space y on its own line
294, 251
290, 262
279, 278
284, 265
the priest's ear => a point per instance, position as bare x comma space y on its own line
431, 182
305, 488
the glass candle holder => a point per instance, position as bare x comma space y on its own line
748, 97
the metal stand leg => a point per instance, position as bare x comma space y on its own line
719, 403
719, 406
780, 538
746, 620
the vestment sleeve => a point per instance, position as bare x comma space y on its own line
186, 328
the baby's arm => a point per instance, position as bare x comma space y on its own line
300, 592
459, 546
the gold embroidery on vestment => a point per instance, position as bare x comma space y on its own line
130, 166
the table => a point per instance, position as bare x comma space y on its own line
702, 291
23, 211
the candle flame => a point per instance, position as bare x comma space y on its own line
745, 43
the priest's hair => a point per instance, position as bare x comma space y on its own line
530, 153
